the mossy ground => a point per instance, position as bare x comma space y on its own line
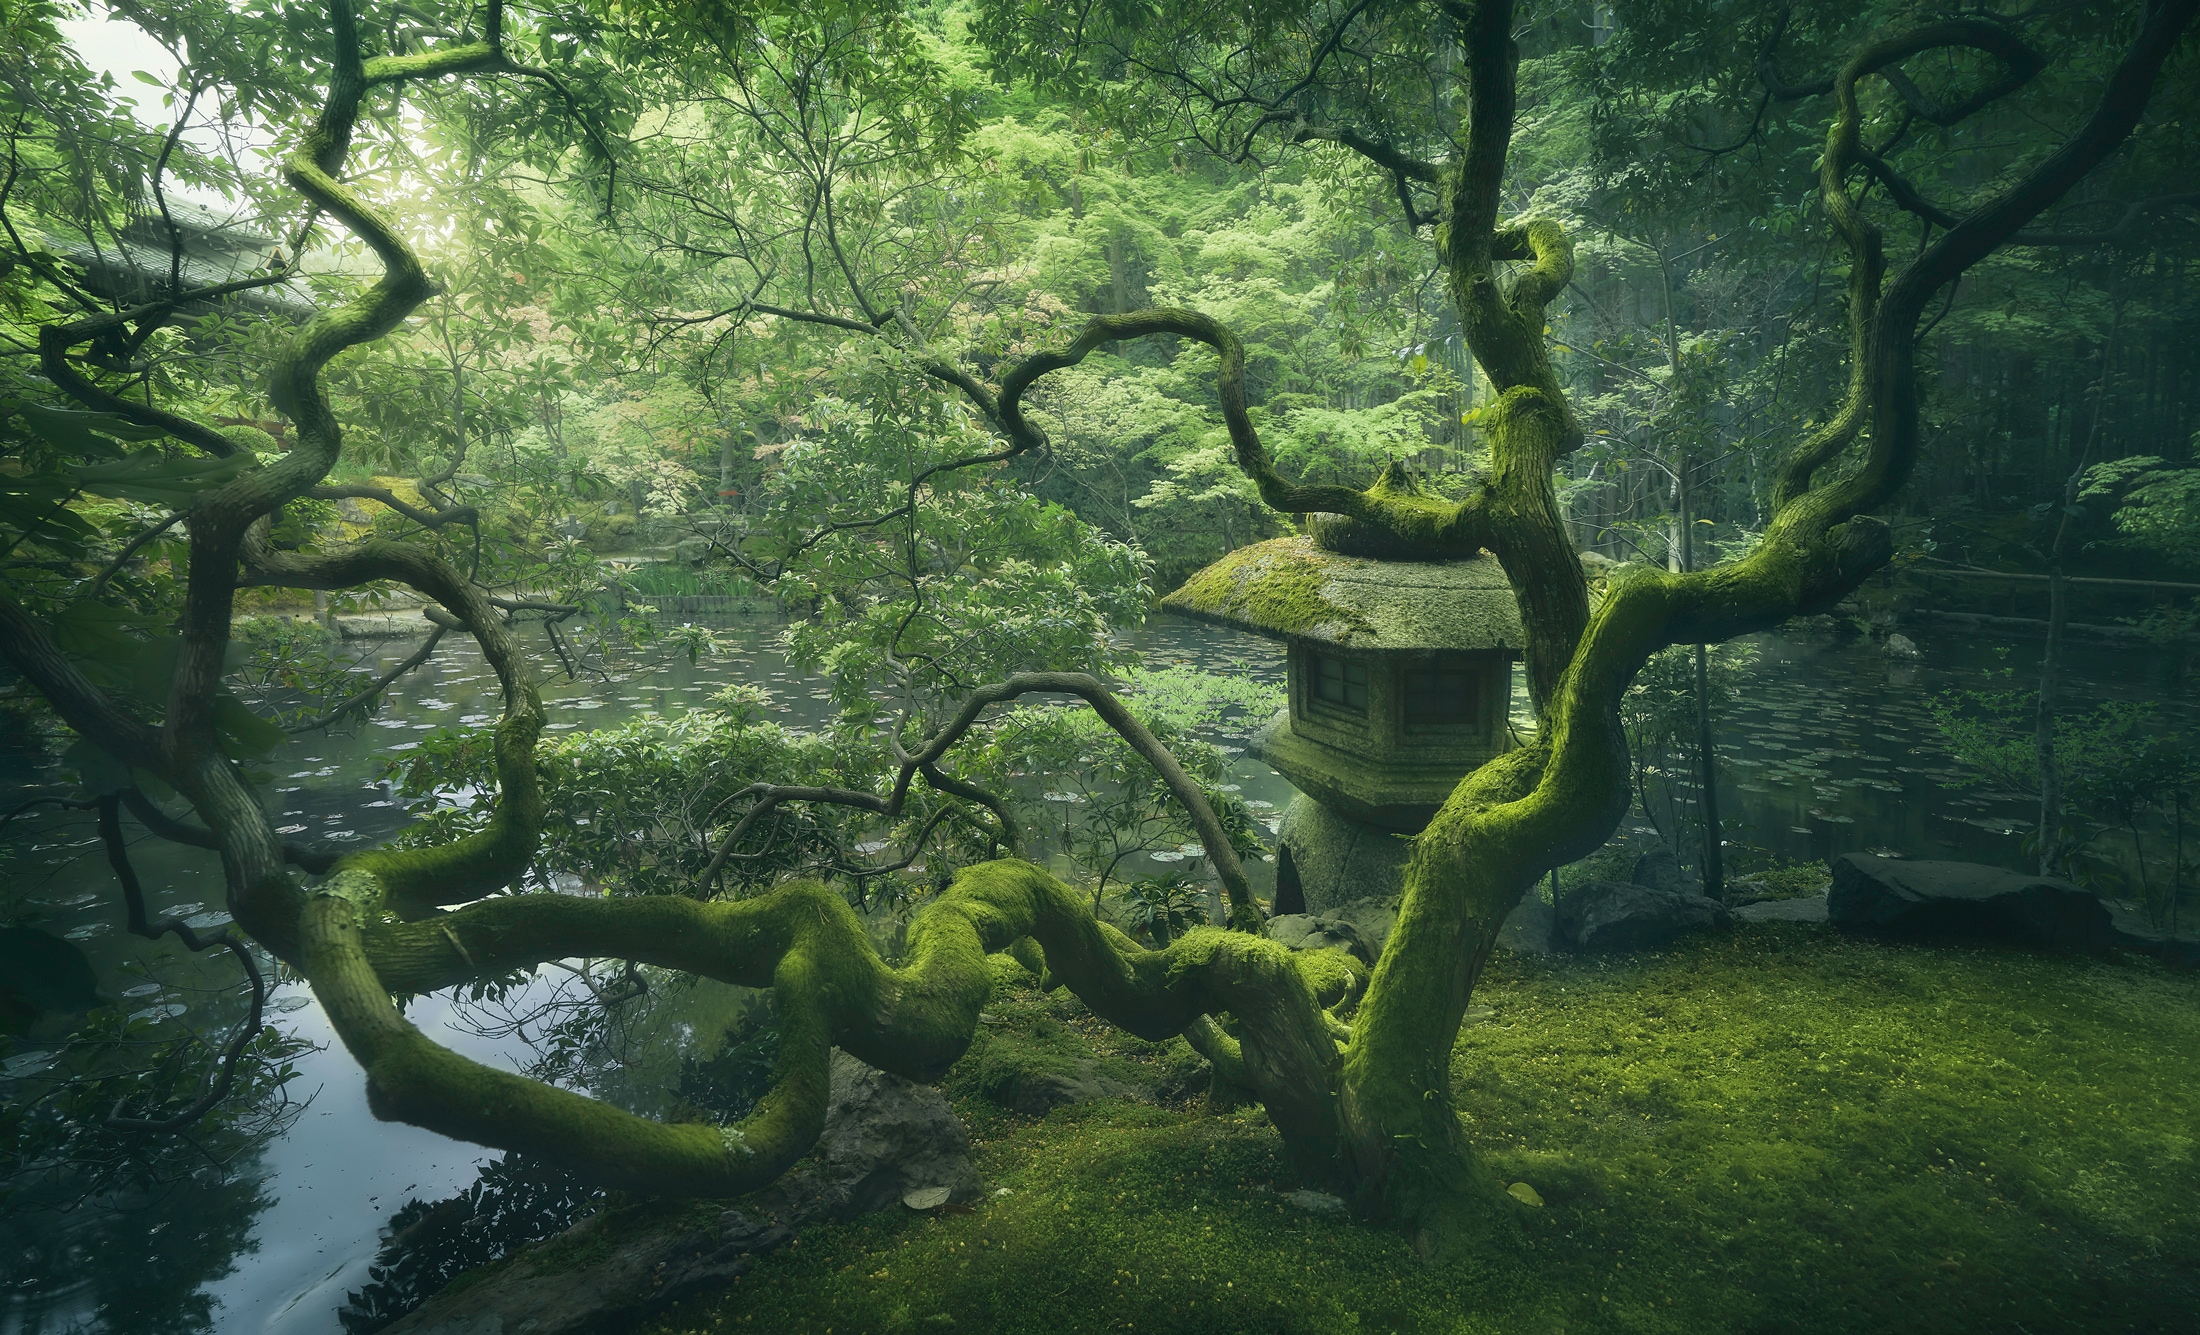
1026, 1033
1776, 1130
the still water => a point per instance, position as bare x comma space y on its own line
1829, 749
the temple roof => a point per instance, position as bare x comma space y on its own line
1289, 589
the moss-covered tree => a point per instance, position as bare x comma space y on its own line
1352, 1070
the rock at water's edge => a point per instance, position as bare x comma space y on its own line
1900, 897
651, 1267
1611, 915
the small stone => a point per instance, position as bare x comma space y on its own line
1900, 646
999, 1192
1525, 1194
885, 1137
1317, 1202
927, 1198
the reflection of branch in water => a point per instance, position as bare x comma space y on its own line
133, 897
582, 1013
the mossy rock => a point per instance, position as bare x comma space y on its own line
610, 533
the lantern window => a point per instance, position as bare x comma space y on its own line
1340, 683
1439, 697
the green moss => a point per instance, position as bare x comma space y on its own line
250, 439
1026, 1034
1274, 588
1780, 1130
1291, 588
1408, 523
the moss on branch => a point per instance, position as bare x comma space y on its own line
832, 990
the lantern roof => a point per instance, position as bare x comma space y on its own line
1289, 589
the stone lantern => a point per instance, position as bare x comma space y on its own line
1400, 683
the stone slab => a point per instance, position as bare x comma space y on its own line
2133, 931
1931, 899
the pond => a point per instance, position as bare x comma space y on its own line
1830, 749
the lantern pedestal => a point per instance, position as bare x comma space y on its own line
1328, 861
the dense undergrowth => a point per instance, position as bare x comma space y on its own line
1777, 1130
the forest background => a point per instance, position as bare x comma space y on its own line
597, 369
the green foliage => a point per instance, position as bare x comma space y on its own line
1164, 907
2123, 770
639, 809
825, 214
1659, 714
515, 1201
1104, 805
667, 580
57, 1149
2157, 505
977, 580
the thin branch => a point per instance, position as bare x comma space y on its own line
122, 558
446, 514
365, 698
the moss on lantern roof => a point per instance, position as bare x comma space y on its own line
1290, 589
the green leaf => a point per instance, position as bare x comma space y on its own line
244, 734
99, 632
31, 506
82, 432
97, 771
152, 478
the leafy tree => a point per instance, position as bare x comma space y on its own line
1350, 1071
1659, 712
2156, 505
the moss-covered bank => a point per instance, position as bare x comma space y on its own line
1779, 1130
